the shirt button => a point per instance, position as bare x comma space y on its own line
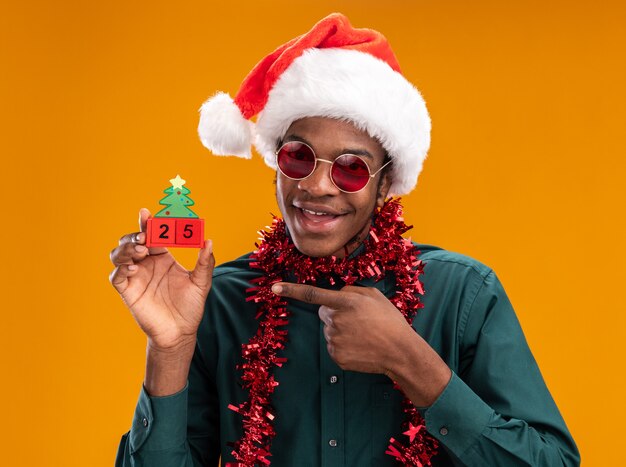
333, 379
443, 431
144, 422
333, 443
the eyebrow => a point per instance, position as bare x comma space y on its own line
355, 151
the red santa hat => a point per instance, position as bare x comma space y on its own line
333, 71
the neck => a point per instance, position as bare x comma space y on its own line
355, 241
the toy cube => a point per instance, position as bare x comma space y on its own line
190, 232
161, 231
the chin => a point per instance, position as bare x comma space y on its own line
318, 248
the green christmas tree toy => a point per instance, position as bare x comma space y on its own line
176, 225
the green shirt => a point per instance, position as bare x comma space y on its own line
495, 411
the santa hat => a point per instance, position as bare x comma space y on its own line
332, 71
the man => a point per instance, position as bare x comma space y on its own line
336, 342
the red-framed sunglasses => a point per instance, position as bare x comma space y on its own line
349, 173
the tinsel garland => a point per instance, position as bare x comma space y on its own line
385, 252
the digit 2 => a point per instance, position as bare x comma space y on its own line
165, 229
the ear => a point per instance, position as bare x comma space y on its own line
383, 188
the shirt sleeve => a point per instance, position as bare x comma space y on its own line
180, 430
498, 410
158, 433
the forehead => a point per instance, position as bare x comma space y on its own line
332, 135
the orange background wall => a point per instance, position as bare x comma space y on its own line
98, 110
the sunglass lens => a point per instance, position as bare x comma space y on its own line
296, 160
350, 173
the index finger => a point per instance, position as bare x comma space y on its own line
144, 215
311, 294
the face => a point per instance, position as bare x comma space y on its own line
323, 220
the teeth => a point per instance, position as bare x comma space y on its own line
316, 213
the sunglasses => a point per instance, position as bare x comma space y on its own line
348, 172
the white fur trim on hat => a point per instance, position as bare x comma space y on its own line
357, 87
222, 128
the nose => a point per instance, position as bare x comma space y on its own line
319, 182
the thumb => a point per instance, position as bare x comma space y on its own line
202, 274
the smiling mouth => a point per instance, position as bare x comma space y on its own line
317, 216
317, 219
316, 213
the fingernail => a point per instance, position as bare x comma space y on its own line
140, 248
132, 267
277, 289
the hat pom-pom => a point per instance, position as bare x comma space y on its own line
222, 128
